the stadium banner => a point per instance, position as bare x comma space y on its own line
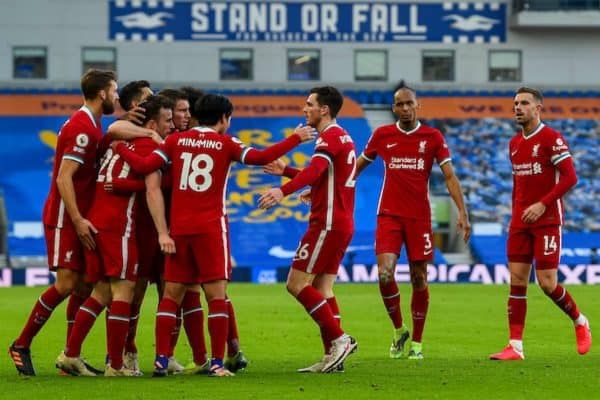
579, 274
308, 21
37, 105
291, 106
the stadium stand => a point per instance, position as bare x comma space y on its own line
482, 165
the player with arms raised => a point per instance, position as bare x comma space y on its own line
330, 174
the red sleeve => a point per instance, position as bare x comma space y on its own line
307, 176
370, 150
442, 155
290, 172
142, 165
252, 156
127, 186
568, 179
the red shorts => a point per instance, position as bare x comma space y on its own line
321, 251
541, 243
150, 259
64, 248
200, 258
392, 232
115, 257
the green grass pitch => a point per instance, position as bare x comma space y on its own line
465, 324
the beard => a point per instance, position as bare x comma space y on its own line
108, 107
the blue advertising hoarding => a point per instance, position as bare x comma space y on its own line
307, 21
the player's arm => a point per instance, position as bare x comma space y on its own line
142, 165
251, 156
126, 130
455, 191
362, 162
279, 168
156, 205
567, 179
318, 164
124, 186
64, 182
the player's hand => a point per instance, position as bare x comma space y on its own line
533, 212
85, 231
462, 224
108, 186
270, 198
135, 115
305, 196
167, 244
274, 168
306, 133
155, 136
115, 143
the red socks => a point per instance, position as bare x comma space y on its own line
517, 309
193, 322
565, 302
320, 311
175, 333
233, 339
39, 315
218, 315
84, 320
134, 317
418, 306
118, 325
391, 299
72, 307
166, 317
336, 315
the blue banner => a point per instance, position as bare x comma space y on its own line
307, 21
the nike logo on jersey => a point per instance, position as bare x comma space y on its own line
390, 145
549, 253
514, 152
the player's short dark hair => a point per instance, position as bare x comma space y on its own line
95, 80
173, 94
193, 94
330, 97
132, 92
403, 86
537, 94
210, 108
152, 106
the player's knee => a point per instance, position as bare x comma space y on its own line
65, 286
385, 273
292, 288
547, 286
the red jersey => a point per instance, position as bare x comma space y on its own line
333, 184
78, 141
535, 160
408, 158
114, 212
200, 161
